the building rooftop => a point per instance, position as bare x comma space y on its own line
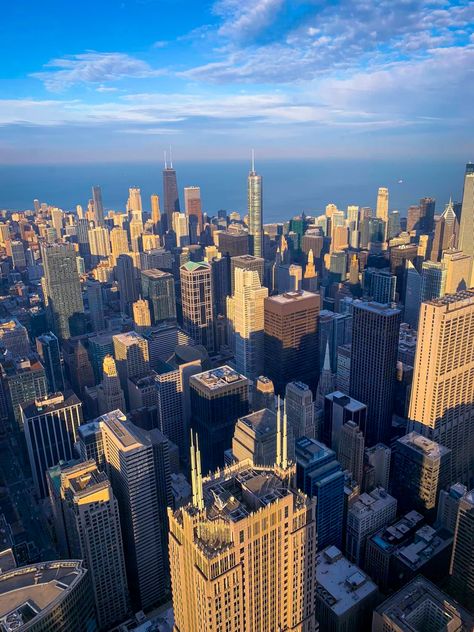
7, 561
376, 500
291, 297
27, 591
193, 266
154, 273
344, 400
427, 542
425, 446
381, 309
218, 378
420, 606
261, 422
49, 404
339, 583
456, 301
129, 338
114, 421
395, 534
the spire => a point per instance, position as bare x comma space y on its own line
327, 359
278, 437
171, 159
196, 476
166, 163
284, 463
253, 160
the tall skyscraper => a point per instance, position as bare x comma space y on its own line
170, 196
92, 528
291, 339
255, 211
466, 229
320, 475
246, 262
98, 206
441, 404
427, 211
433, 280
197, 303
382, 206
132, 464
246, 322
109, 392
375, 331
270, 583
141, 315
446, 230
47, 346
131, 357
339, 409
96, 304
462, 561
158, 288
50, 424
155, 213
14, 337
119, 242
62, 287
300, 409
193, 209
218, 398
350, 452
125, 274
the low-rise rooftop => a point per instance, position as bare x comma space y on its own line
218, 378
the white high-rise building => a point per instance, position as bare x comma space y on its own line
245, 312
382, 206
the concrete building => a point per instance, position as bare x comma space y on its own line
378, 457
158, 289
235, 565
291, 339
218, 398
47, 596
245, 314
92, 527
22, 380
246, 262
448, 505
129, 457
466, 230
345, 596
109, 392
420, 469
14, 337
50, 424
338, 410
441, 404
300, 409
417, 605
197, 302
141, 315
350, 453
365, 516
375, 331
320, 475
131, 357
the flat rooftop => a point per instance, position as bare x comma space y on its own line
49, 404
261, 422
425, 446
376, 500
346, 401
129, 338
154, 273
291, 297
121, 432
381, 309
26, 591
218, 378
457, 300
339, 583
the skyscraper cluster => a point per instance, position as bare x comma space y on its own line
212, 423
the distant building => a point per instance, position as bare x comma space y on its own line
345, 596
131, 357
462, 562
197, 302
14, 337
158, 289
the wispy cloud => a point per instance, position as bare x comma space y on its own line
92, 67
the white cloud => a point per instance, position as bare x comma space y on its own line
243, 19
92, 67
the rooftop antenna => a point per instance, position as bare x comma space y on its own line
253, 160
285, 437
171, 159
199, 492
166, 164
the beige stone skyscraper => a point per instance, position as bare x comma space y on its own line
109, 392
119, 242
155, 212
382, 206
246, 321
92, 528
466, 229
243, 553
196, 299
442, 396
141, 314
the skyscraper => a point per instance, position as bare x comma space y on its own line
193, 209
375, 331
339, 409
382, 206
92, 528
47, 346
350, 452
131, 357
427, 211
197, 303
125, 273
141, 315
218, 398
170, 196
291, 339
269, 584
132, 465
441, 404
466, 229
246, 322
445, 232
462, 561
98, 206
300, 409
96, 304
255, 211
50, 424
158, 288
246, 262
119, 242
62, 287
109, 392
155, 213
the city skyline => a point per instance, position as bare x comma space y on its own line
293, 79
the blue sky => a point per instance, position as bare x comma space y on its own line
121, 80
